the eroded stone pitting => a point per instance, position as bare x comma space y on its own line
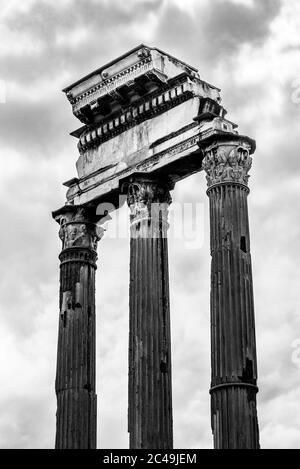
150, 120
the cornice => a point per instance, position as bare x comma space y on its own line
112, 83
132, 74
140, 49
143, 109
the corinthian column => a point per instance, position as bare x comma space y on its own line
75, 374
233, 350
150, 391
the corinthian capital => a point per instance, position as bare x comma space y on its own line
78, 228
145, 196
227, 162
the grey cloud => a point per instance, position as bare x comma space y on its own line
44, 20
30, 126
32, 423
291, 48
282, 123
229, 25
286, 123
283, 162
187, 263
29, 250
213, 33
216, 32
108, 26
88, 55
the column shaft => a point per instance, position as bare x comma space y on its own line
233, 348
150, 391
76, 417
234, 370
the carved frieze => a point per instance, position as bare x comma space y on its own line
112, 83
227, 162
78, 229
141, 111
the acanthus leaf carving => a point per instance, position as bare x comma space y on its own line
79, 229
144, 196
227, 162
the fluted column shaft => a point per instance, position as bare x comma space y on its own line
150, 392
75, 374
233, 349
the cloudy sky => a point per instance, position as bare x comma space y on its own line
251, 50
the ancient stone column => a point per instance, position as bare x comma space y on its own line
233, 350
150, 388
75, 374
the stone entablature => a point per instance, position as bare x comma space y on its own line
137, 113
143, 66
156, 120
150, 122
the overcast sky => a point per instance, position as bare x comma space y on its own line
251, 50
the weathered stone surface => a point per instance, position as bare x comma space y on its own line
139, 116
76, 417
229, 162
233, 347
144, 66
150, 422
79, 229
149, 121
